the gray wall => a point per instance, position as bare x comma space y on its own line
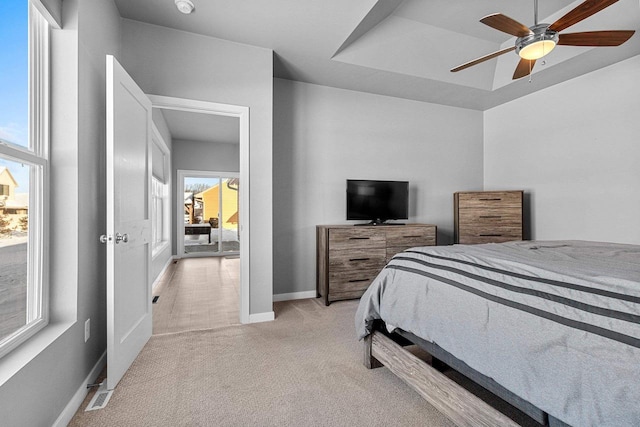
322, 136
38, 393
202, 156
574, 148
205, 156
180, 64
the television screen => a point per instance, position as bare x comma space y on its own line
377, 201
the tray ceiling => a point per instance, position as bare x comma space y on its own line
398, 48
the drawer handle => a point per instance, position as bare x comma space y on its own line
359, 238
359, 280
359, 259
492, 199
491, 235
490, 216
413, 237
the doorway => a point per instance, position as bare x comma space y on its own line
242, 218
211, 213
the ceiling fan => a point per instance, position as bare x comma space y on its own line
534, 42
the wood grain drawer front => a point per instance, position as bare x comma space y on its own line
353, 238
356, 259
338, 296
489, 237
514, 231
490, 199
411, 236
509, 217
355, 280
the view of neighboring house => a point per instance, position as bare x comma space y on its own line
211, 203
14, 207
204, 206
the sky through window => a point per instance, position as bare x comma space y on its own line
14, 80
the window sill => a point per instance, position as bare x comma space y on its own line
21, 356
159, 249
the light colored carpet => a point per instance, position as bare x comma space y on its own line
303, 369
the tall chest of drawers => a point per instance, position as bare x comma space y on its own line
487, 216
349, 257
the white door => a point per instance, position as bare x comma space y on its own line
129, 318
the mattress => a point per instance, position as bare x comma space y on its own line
555, 322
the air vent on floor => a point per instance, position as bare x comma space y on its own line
101, 398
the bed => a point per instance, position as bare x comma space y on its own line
551, 326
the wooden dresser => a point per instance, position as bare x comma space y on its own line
349, 257
487, 216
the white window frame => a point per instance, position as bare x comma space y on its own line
160, 203
159, 246
36, 156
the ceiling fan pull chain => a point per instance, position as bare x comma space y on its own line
535, 12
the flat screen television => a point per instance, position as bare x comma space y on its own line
377, 201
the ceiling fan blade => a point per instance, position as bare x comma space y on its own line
595, 38
505, 24
482, 59
524, 68
582, 11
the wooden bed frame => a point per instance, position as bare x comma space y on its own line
458, 404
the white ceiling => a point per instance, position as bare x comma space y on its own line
401, 48
199, 127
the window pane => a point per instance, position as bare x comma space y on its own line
14, 76
14, 237
160, 213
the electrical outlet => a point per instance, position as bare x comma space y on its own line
87, 330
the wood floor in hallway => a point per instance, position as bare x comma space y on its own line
197, 293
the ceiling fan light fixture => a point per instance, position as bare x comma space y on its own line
539, 43
535, 42
185, 6
537, 50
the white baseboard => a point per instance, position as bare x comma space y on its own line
294, 295
70, 410
262, 317
164, 269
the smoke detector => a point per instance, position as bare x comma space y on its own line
185, 6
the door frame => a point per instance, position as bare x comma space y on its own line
181, 174
242, 113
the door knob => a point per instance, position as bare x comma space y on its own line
124, 238
105, 238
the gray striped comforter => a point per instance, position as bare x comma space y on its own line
557, 323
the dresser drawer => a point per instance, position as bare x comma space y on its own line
490, 199
338, 296
356, 259
354, 280
493, 217
488, 237
353, 238
411, 236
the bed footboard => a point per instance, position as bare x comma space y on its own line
461, 406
